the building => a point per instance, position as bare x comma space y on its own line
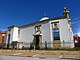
3, 39
48, 32
77, 41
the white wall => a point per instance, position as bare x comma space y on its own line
26, 34
45, 28
15, 34
65, 33
11, 35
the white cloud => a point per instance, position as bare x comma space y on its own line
78, 33
75, 22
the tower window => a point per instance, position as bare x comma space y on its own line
55, 24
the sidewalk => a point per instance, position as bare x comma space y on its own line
29, 54
69, 57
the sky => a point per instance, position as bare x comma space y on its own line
21, 12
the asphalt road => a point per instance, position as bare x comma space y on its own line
5, 57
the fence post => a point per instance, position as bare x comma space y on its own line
34, 45
8, 46
30, 45
63, 43
45, 44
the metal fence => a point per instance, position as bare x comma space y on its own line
45, 45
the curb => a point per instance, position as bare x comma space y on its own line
69, 57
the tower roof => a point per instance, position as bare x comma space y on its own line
44, 18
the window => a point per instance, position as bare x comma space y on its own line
38, 29
55, 24
78, 41
19, 33
56, 35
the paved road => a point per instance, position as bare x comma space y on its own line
4, 57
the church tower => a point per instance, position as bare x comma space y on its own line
66, 13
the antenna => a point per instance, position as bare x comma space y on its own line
45, 14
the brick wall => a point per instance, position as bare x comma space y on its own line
5, 38
0, 37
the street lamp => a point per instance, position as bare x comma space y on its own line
3, 34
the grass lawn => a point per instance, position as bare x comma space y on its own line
44, 52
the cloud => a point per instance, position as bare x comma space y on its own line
75, 20
78, 31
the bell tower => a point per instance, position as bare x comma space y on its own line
66, 13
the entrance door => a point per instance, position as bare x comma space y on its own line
37, 42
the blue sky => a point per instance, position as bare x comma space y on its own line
20, 12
